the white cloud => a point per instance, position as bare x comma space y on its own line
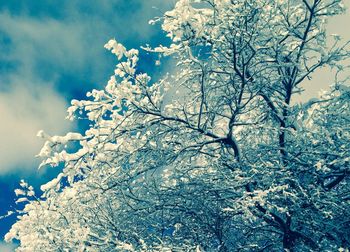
42, 49
48, 48
57, 44
24, 110
5, 247
28, 100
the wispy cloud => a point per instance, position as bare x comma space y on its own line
51, 53
6, 247
48, 48
23, 111
72, 43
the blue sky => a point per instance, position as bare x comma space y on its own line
52, 51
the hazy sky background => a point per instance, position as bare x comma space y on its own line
52, 51
322, 78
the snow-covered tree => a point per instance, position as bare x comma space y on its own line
214, 157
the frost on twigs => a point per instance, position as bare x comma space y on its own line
214, 158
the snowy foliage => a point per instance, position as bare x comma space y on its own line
227, 164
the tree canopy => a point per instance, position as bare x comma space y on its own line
213, 157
